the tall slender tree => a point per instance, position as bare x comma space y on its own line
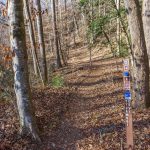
139, 52
20, 67
31, 35
56, 34
117, 2
74, 18
41, 40
32, 39
146, 24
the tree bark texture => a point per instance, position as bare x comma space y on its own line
139, 52
20, 68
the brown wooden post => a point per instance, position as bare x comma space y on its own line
129, 132
128, 111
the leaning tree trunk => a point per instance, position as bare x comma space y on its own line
58, 60
41, 41
139, 52
20, 67
122, 25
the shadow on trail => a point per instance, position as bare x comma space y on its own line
55, 110
59, 133
100, 63
55, 107
89, 84
69, 134
76, 134
86, 67
104, 95
102, 81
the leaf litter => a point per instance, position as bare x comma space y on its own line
87, 114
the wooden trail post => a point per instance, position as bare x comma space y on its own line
128, 111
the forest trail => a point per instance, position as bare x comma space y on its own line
79, 105
94, 116
91, 116
86, 114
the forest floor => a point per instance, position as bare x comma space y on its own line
87, 114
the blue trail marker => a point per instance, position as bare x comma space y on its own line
126, 74
127, 95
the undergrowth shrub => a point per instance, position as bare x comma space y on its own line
57, 81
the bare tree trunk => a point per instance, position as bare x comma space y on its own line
41, 41
62, 53
48, 2
59, 65
123, 27
66, 29
61, 37
74, 18
99, 7
32, 39
20, 67
146, 24
92, 17
139, 52
109, 42
118, 27
31, 35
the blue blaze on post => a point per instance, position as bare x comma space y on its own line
127, 95
126, 74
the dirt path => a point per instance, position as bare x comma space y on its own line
87, 114
85, 126
94, 119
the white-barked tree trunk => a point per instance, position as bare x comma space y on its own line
20, 68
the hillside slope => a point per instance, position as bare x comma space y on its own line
87, 114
